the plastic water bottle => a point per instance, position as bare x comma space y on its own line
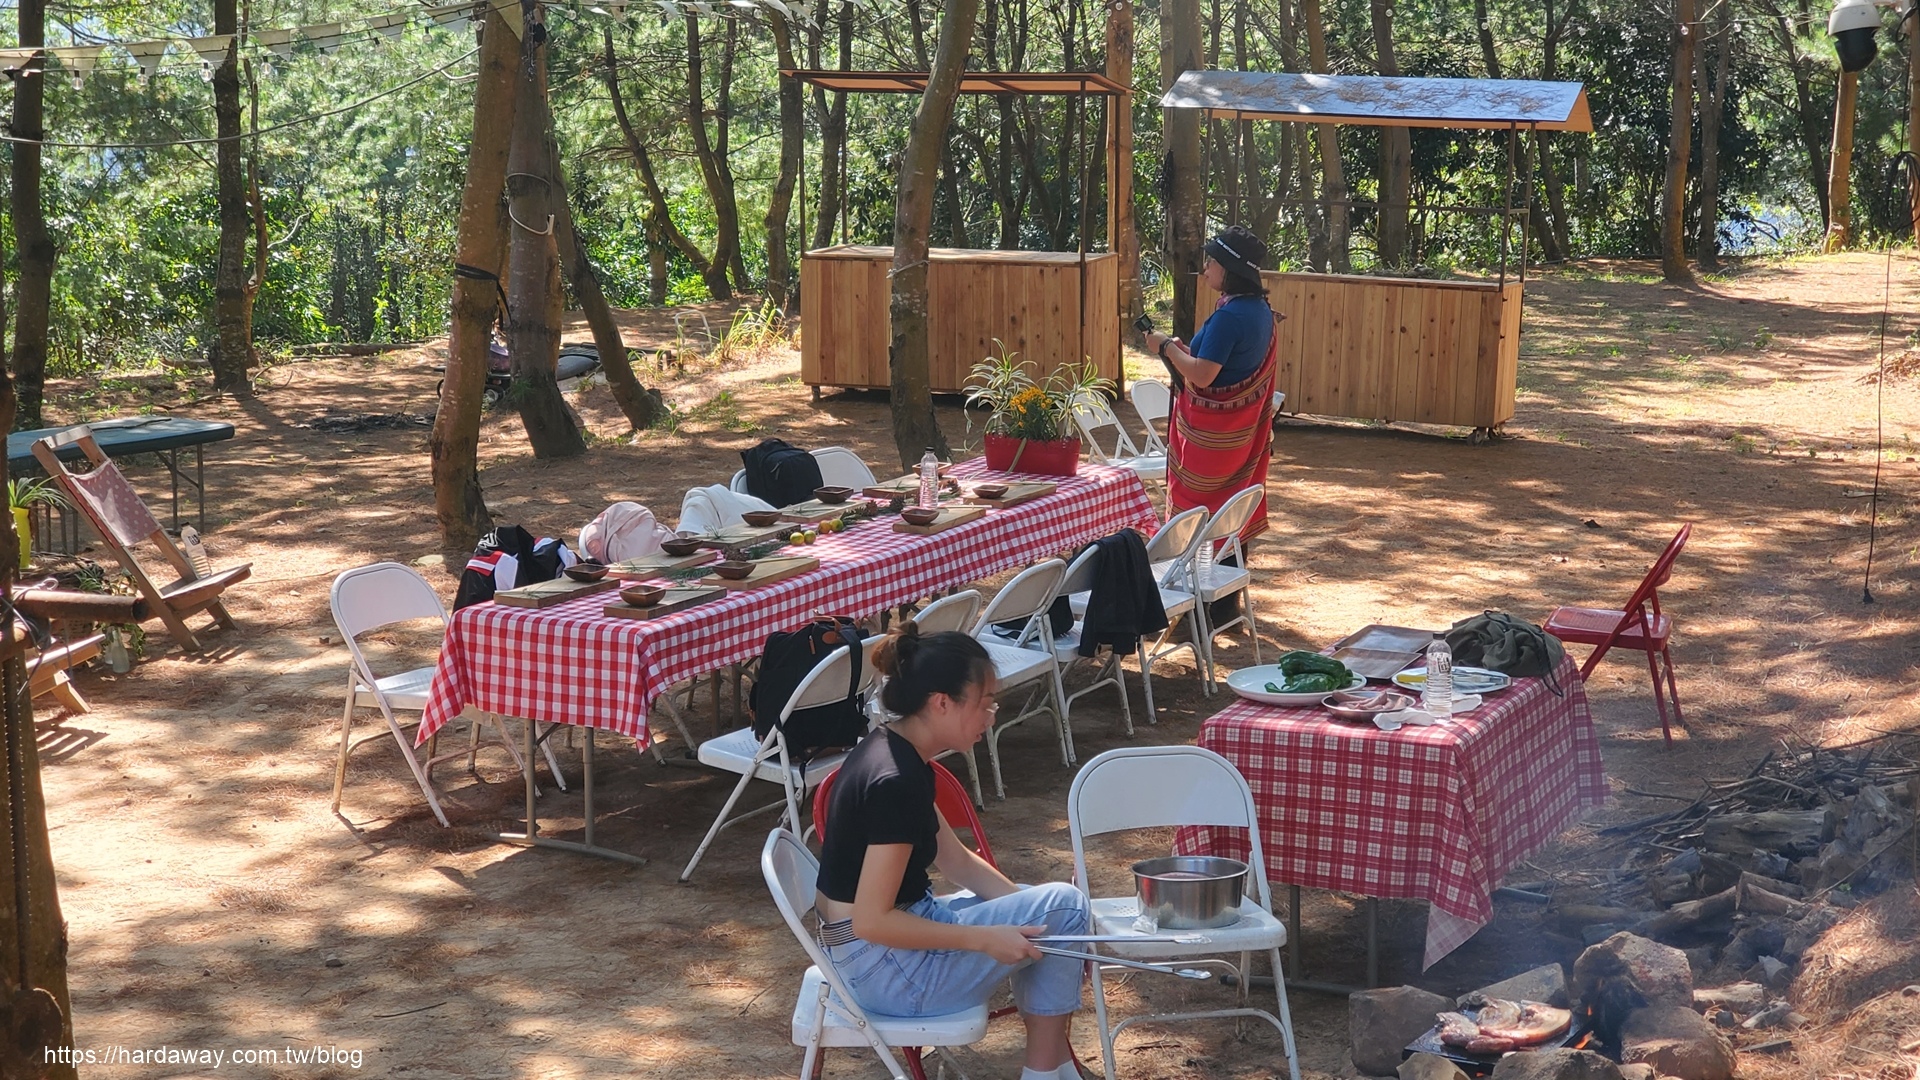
196, 552
929, 479
1436, 696
1203, 564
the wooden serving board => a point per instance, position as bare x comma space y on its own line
766, 572
744, 535
1025, 491
1381, 652
654, 565
678, 598
898, 487
545, 594
950, 516
813, 511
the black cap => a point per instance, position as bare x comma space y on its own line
1239, 250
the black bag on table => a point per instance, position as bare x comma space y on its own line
784, 662
539, 560
779, 473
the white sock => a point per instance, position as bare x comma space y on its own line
1068, 1071
1029, 1074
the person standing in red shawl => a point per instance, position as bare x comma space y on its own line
1220, 435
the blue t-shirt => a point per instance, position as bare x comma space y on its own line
1236, 337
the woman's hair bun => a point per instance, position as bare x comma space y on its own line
896, 652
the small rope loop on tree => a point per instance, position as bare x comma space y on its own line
548, 231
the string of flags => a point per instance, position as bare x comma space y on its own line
80, 61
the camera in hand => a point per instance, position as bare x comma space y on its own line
1144, 324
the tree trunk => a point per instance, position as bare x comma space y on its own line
1673, 195
718, 176
232, 353
1122, 240
914, 425
1556, 194
792, 146
1186, 209
479, 252
1811, 122
1913, 127
658, 216
1333, 176
638, 404
1712, 77
533, 257
39, 1015
33, 292
833, 136
1396, 152
1840, 165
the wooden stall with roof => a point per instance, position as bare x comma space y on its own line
1051, 307
1422, 350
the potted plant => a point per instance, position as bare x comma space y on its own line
22, 495
1030, 426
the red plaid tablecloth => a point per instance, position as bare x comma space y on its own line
570, 664
1434, 813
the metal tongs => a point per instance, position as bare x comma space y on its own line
1130, 939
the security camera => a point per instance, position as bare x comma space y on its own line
1852, 26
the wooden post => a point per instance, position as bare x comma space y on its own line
1121, 238
1913, 129
1187, 207
1840, 165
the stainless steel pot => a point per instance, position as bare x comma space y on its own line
1190, 892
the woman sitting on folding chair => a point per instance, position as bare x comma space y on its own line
901, 950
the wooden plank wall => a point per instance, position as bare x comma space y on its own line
1396, 349
1031, 304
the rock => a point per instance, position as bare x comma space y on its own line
1594, 935
1547, 983
1768, 864
1624, 973
1872, 814
1638, 1072
1746, 997
1724, 1018
1382, 1022
1677, 1042
1699, 958
1805, 932
1555, 1065
1781, 1015
436, 561
1430, 1067
1911, 990
1771, 972
334, 962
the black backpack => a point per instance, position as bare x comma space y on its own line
786, 660
780, 473
539, 561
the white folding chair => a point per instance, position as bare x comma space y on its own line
368, 598
1153, 404
841, 467
769, 759
738, 484
956, 612
1026, 657
1077, 586
1091, 412
825, 1014
1223, 532
1140, 787
1172, 549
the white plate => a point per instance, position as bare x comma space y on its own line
1466, 680
1251, 683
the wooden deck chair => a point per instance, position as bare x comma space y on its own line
123, 521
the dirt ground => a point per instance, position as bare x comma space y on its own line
216, 902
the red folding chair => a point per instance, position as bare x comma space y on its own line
1641, 627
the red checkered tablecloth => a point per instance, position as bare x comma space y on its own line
570, 664
1435, 813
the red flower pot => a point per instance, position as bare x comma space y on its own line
1056, 457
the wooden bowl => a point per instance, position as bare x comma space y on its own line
643, 595
760, 519
920, 515
833, 495
733, 569
586, 571
680, 545
991, 491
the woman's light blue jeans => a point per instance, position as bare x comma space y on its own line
930, 982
